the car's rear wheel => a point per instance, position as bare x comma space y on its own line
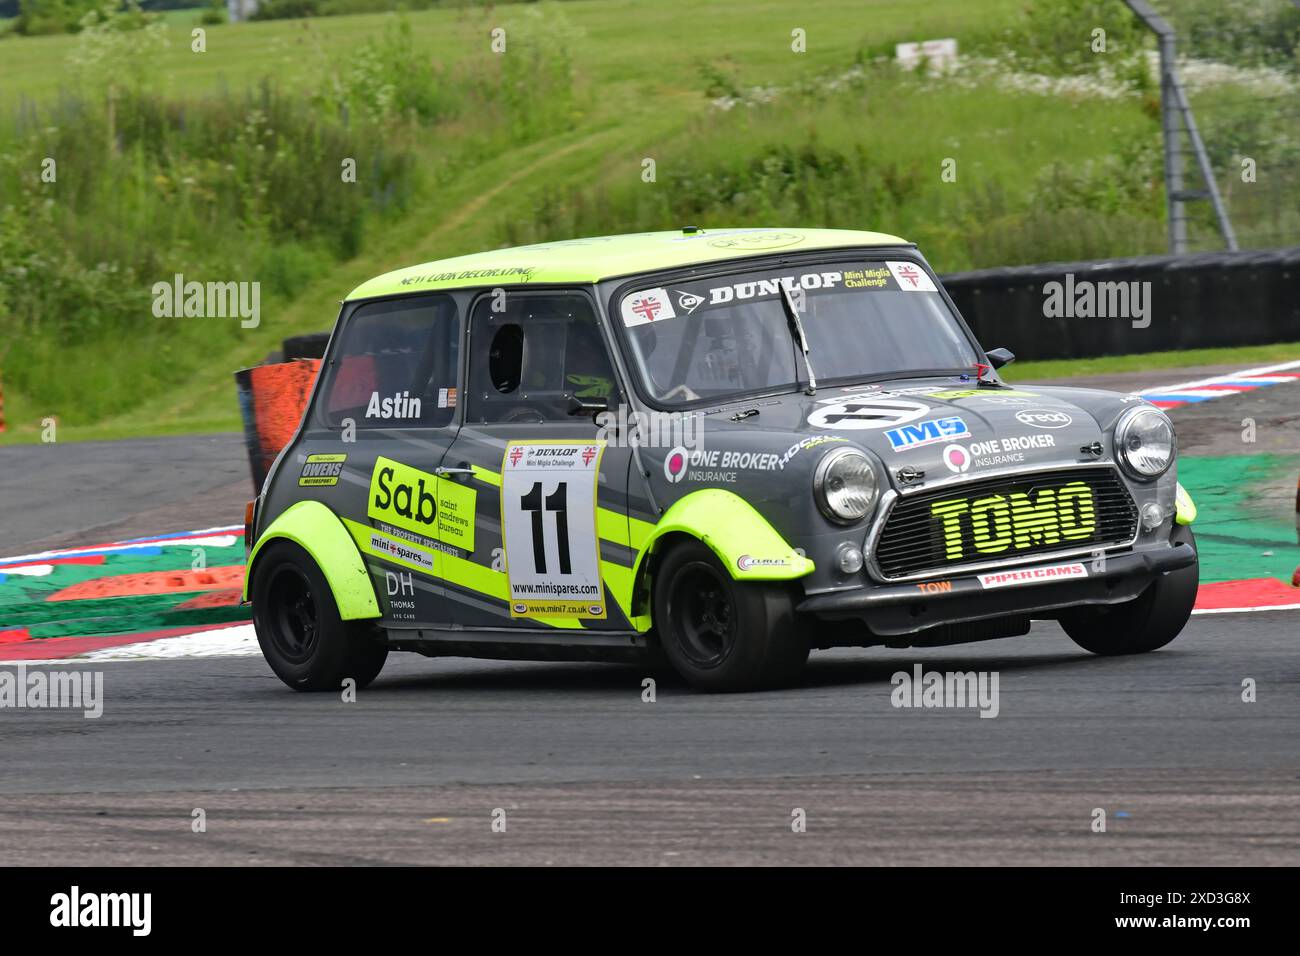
298, 626
1149, 621
720, 634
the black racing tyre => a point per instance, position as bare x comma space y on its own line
720, 634
1149, 621
298, 626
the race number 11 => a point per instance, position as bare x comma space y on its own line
548, 525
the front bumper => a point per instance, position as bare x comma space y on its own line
898, 609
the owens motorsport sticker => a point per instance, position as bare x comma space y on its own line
866, 413
438, 508
927, 433
1047, 575
321, 470
548, 525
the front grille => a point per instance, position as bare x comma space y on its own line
1005, 518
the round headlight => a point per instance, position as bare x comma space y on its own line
1144, 443
845, 485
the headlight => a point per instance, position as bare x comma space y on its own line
1144, 443
845, 485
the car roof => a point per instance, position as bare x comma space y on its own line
587, 261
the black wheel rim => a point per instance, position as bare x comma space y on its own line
702, 614
295, 626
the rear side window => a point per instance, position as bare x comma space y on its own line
530, 357
395, 366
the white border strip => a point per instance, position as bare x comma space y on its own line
1219, 379
1239, 610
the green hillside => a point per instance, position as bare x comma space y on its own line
223, 165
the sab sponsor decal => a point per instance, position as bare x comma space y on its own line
927, 433
1043, 418
321, 470
415, 500
1056, 572
642, 308
866, 413
996, 524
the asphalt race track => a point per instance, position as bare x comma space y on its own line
585, 771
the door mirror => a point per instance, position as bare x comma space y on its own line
1000, 357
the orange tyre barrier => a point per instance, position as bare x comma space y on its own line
272, 399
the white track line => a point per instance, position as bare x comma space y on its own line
1216, 379
1239, 610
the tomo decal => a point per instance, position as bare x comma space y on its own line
548, 523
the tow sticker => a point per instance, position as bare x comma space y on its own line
548, 522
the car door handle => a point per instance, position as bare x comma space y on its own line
444, 472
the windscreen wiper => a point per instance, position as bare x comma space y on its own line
800, 340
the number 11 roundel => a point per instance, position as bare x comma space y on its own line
548, 525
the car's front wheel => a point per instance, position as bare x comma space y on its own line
298, 626
721, 634
1149, 621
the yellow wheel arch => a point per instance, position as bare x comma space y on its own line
319, 532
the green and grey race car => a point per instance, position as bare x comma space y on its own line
718, 449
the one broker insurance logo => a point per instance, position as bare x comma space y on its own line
77, 909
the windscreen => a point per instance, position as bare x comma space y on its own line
729, 336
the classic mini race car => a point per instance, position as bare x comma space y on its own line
717, 449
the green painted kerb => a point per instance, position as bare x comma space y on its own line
319, 532
743, 541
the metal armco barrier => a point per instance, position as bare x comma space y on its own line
1202, 300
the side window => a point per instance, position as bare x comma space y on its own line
395, 366
529, 359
